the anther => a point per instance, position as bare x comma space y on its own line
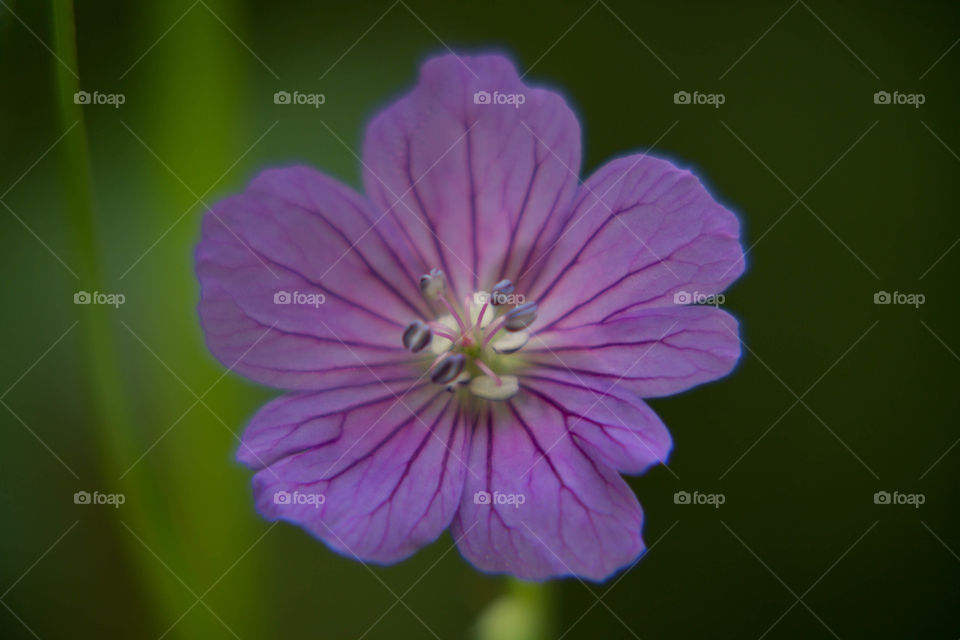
460, 380
520, 317
448, 368
416, 336
502, 389
501, 292
433, 284
511, 341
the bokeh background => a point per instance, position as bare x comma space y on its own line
836, 398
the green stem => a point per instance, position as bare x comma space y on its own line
522, 613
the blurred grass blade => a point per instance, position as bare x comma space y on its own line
110, 414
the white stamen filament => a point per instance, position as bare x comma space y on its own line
483, 310
453, 312
442, 330
493, 331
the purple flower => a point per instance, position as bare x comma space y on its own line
468, 345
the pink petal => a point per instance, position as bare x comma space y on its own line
577, 515
388, 461
640, 231
296, 230
651, 352
477, 189
616, 423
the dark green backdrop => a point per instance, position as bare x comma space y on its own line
835, 399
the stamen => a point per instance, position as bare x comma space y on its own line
483, 310
487, 370
511, 341
500, 292
442, 330
433, 284
448, 342
520, 317
475, 306
456, 316
461, 379
448, 368
455, 337
486, 387
493, 331
416, 336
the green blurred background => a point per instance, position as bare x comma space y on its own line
128, 400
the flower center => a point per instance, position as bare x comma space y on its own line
474, 341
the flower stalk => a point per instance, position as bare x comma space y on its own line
522, 613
